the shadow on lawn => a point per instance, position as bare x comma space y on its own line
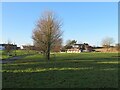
93, 58
62, 63
67, 59
61, 79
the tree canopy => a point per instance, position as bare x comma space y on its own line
47, 33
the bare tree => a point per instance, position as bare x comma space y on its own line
58, 45
106, 42
117, 46
27, 48
8, 48
47, 32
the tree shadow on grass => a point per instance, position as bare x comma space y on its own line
86, 59
61, 64
61, 79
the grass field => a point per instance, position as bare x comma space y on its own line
83, 70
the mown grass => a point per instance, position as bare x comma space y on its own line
83, 70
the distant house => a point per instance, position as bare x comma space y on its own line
3, 46
77, 48
74, 49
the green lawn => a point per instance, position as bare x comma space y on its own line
83, 70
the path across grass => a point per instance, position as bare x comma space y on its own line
5, 56
13, 59
83, 70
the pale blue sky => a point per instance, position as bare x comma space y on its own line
87, 22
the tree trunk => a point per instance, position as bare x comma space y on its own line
48, 56
48, 52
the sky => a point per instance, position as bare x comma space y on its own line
86, 22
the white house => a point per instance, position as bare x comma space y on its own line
77, 48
